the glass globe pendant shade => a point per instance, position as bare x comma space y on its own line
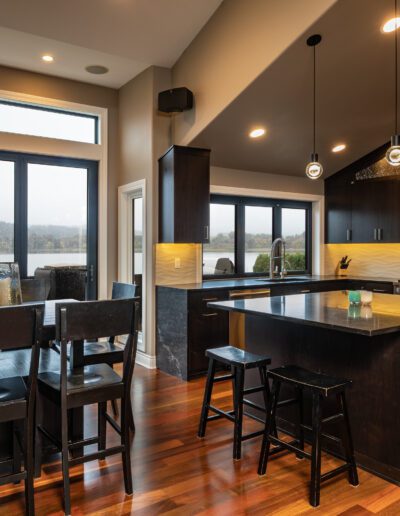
314, 169
393, 153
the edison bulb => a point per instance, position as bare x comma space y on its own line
314, 170
393, 155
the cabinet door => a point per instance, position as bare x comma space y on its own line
388, 210
365, 195
338, 209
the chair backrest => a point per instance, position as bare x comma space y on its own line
123, 290
21, 327
224, 266
35, 289
91, 320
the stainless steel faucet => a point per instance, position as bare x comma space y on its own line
278, 252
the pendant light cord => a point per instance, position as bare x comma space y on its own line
314, 103
396, 71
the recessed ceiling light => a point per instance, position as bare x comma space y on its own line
256, 133
339, 148
391, 25
47, 58
96, 69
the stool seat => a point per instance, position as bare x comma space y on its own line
309, 379
237, 357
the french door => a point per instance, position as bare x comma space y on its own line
48, 213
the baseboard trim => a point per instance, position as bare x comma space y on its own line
145, 360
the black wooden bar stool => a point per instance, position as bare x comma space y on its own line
239, 360
321, 386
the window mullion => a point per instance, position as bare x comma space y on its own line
240, 238
276, 222
21, 215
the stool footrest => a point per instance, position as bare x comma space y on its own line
278, 448
337, 471
323, 434
252, 434
221, 413
254, 405
333, 418
285, 403
251, 390
256, 418
223, 378
289, 446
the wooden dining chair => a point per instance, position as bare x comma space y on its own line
20, 327
34, 290
92, 384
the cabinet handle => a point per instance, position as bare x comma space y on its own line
379, 290
213, 314
207, 299
348, 235
380, 234
375, 234
206, 233
305, 291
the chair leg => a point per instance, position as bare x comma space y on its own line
65, 460
269, 427
102, 425
300, 429
38, 438
316, 450
207, 398
16, 468
125, 441
348, 441
114, 408
132, 426
238, 406
30, 467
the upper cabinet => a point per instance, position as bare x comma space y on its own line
362, 207
184, 195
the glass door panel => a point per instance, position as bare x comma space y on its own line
57, 216
294, 225
7, 211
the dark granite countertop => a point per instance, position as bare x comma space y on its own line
266, 282
325, 309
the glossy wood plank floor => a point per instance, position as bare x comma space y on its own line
177, 474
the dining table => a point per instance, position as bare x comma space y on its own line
17, 363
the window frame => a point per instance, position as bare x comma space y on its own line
240, 202
21, 161
37, 107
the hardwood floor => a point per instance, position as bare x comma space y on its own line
175, 473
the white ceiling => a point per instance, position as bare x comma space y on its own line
355, 98
126, 36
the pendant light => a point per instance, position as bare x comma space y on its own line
314, 169
393, 153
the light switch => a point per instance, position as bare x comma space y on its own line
177, 263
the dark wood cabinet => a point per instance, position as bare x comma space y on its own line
184, 195
362, 210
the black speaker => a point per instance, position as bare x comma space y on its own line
175, 100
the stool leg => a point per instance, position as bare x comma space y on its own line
238, 406
267, 394
316, 450
300, 429
269, 427
348, 441
207, 398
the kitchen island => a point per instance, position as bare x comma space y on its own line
321, 332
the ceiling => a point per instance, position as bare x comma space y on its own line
355, 98
126, 36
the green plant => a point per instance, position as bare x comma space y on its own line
294, 262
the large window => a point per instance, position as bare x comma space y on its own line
48, 213
242, 230
48, 122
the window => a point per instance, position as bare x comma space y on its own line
6, 211
51, 217
242, 230
48, 122
219, 254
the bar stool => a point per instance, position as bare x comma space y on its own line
239, 360
321, 387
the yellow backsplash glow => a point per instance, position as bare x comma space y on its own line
189, 257
378, 260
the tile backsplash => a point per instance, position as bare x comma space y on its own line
178, 263
380, 260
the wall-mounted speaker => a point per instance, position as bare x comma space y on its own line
175, 100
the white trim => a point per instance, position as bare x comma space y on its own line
56, 147
318, 210
125, 195
146, 360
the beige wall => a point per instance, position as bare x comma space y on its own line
258, 180
239, 42
30, 83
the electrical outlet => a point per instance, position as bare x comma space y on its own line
177, 263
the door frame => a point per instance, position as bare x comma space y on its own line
126, 194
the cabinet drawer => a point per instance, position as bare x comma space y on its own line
373, 286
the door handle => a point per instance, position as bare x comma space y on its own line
206, 233
91, 273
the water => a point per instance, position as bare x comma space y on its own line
210, 260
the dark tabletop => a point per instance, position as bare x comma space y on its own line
324, 309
